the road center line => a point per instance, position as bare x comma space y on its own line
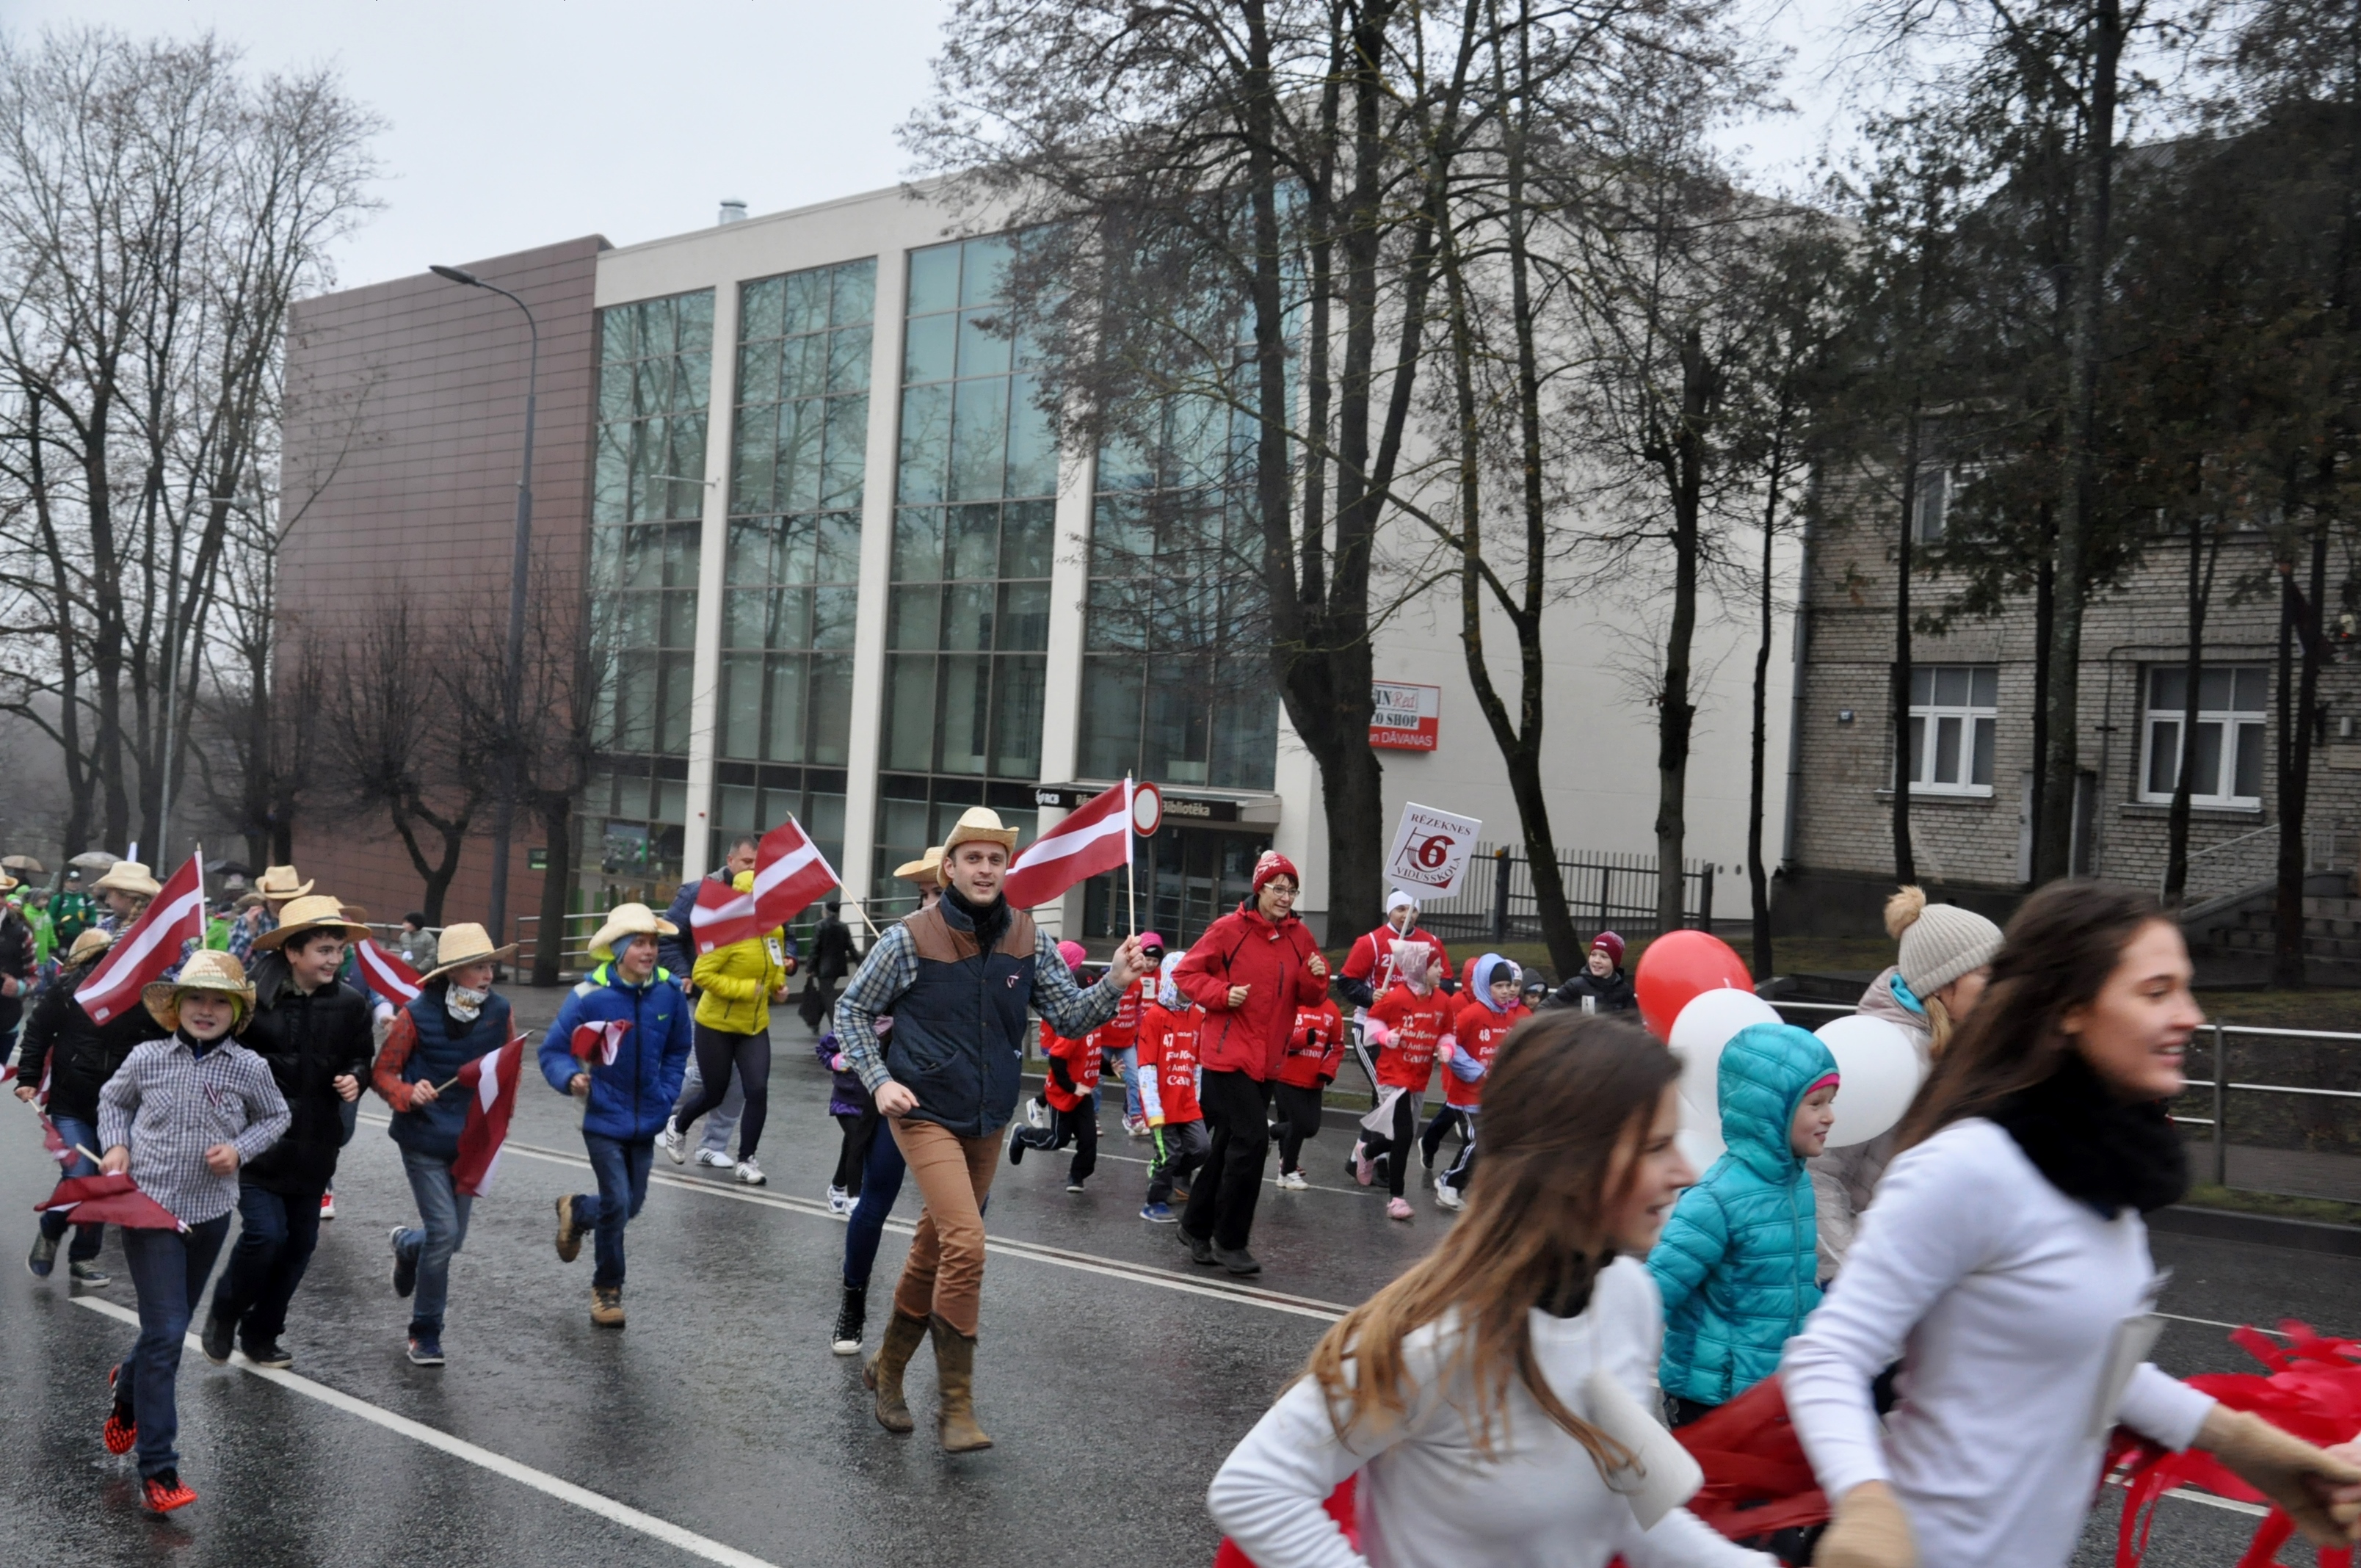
482, 1458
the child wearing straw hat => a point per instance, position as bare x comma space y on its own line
183, 1115
125, 890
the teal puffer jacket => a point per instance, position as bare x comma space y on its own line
1737, 1263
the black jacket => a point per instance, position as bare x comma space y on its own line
80, 1055
308, 1041
831, 950
1614, 992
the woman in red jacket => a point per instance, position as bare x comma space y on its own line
1314, 1051
1250, 971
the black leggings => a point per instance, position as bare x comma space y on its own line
852, 1154
1395, 1150
718, 1052
1299, 1118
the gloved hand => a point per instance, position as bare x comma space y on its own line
1870, 1530
2288, 1471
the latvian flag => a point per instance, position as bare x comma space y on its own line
599, 1039
789, 873
1094, 837
493, 1076
175, 917
387, 975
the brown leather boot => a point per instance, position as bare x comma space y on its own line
884, 1371
607, 1306
955, 1384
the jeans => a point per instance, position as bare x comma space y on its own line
881, 1183
1299, 1118
1126, 1066
169, 1270
274, 1247
944, 1273
622, 1166
720, 1121
87, 1238
1079, 1126
1222, 1204
443, 1210
1180, 1148
719, 1052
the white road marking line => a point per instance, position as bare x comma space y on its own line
483, 1458
2227, 1504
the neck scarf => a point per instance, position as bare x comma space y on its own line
463, 1003
990, 922
2099, 1150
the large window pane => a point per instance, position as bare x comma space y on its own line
927, 347
831, 708
833, 614
854, 298
838, 555
979, 439
2208, 759
919, 545
2163, 757
963, 711
1032, 444
975, 543
926, 443
967, 617
934, 279
1947, 751
2248, 782
983, 344
1027, 538
847, 451
1016, 716
910, 711
741, 705
1109, 738
786, 731
915, 617
1024, 617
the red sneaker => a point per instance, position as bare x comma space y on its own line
327, 1205
120, 1431
165, 1493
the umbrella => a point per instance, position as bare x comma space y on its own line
110, 1200
24, 863
93, 859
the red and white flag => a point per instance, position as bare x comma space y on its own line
789, 873
493, 1076
140, 956
601, 1039
386, 974
1094, 837
51, 1139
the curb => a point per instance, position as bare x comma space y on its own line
2263, 1229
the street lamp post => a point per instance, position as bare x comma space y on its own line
512, 677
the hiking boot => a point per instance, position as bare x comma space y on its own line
955, 1390
405, 1267
569, 1233
43, 1258
163, 1492
425, 1350
219, 1332
851, 1317
675, 1146
271, 1353
88, 1276
607, 1306
884, 1372
749, 1173
1237, 1260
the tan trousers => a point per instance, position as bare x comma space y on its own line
944, 1273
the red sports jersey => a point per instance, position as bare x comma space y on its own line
1316, 1049
1478, 1032
1081, 1059
1120, 1031
1372, 956
1168, 1054
1416, 1022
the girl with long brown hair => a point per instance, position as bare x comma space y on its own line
1458, 1392
2006, 1263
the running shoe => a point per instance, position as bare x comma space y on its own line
1292, 1181
1397, 1209
1036, 1112
749, 1173
714, 1159
88, 1276
673, 1144
43, 1258
1237, 1260
1016, 1146
327, 1205
165, 1493
1447, 1197
1364, 1169
1136, 1126
405, 1267
1073, 1186
426, 1350
1158, 1214
217, 1338
122, 1428
270, 1353
840, 1202
569, 1233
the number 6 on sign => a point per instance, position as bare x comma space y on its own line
1429, 851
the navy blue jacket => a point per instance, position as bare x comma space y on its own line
631, 1096
443, 1045
958, 1041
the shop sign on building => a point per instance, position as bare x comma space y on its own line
1405, 716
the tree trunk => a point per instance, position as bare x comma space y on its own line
557, 832
1905, 765
2298, 620
1758, 875
1675, 714
2176, 829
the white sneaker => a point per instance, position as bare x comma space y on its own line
1036, 1113
1292, 1181
749, 1173
840, 1202
670, 1139
1136, 1126
714, 1158
1447, 1197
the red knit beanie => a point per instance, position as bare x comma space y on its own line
1612, 943
1273, 865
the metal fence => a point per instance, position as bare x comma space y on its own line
1603, 891
2252, 859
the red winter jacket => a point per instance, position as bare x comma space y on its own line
1168, 1064
1478, 1032
1316, 1048
1080, 1060
1244, 949
1415, 1024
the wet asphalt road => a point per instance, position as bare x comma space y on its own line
1113, 1375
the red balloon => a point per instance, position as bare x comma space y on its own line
1677, 967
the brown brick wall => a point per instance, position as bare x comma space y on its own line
404, 436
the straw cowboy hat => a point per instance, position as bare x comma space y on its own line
927, 871
8, 883
128, 876
314, 912
464, 944
626, 920
88, 945
205, 970
278, 882
979, 824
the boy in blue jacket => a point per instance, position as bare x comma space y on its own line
619, 1045
1738, 1262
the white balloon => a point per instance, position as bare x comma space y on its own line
1881, 1071
1699, 1139
1709, 1021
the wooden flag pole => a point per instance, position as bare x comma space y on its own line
1131, 856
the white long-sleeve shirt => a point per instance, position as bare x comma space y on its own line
1428, 1499
2003, 1297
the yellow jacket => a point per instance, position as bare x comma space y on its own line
734, 985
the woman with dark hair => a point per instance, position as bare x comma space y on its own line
2006, 1264
1471, 1394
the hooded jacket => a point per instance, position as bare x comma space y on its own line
1244, 948
1736, 1262
1477, 1036
1845, 1180
734, 983
79, 1056
631, 1096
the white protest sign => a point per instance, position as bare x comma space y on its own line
1430, 853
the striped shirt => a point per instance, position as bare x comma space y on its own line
892, 968
169, 1107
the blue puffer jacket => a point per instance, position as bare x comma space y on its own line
1737, 1261
630, 1097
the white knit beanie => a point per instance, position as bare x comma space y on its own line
1941, 942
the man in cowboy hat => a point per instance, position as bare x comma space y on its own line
625, 1067
958, 978
455, 1018
278, 886
313, 1032
679, 959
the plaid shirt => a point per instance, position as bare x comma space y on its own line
891, 968
169, 1107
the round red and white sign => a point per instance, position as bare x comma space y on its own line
1146, 809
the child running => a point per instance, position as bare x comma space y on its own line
1071, 1090
848, 1103
183, 1116
1738, 1264
1314, 1051
1407, 1022
1167, 1094
1483, 1023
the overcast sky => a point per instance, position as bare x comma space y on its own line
520, 122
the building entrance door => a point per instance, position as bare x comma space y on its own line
1188, 876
